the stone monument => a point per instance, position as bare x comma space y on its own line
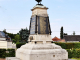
40, 46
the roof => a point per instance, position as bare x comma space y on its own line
2, 34
56, 39
72, 37
63, 40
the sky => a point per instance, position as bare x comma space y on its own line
16, 14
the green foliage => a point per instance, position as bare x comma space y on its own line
73, 32
9, 34
65, 34
77, 45
11, 53
24, 34
73, 53
4, 54
17, 38
68, 45
76, 58
18, 45
72, 48
14, 41
63, 45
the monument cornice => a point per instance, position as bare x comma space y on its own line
38, 8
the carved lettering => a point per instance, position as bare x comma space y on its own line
42, 25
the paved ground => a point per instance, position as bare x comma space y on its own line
5, 59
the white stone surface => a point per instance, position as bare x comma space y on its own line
12, 58
41, 52
39, 10
42, 37
15, 58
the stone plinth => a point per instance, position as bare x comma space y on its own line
33, 51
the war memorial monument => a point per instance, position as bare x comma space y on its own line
40, 46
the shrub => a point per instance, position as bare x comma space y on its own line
68, 45
18, 45
3, 53
73, 53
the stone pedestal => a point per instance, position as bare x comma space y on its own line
33, 51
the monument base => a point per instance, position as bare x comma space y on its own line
15, 58
33, 51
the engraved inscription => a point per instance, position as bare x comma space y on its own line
32, 30
43, 28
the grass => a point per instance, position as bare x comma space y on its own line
76, 58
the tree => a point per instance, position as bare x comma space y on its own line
4, 31
24, 34
9, 34
13, 40
61, 33
65, 34
17, 38
73, 32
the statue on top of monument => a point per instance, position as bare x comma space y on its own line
39, 1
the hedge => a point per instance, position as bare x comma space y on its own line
68, 45
73, 53
4, 53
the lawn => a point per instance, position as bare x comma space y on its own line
76, 58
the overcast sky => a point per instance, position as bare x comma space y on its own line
16, 14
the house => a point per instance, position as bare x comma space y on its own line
72, 38
5, 41
56, 39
